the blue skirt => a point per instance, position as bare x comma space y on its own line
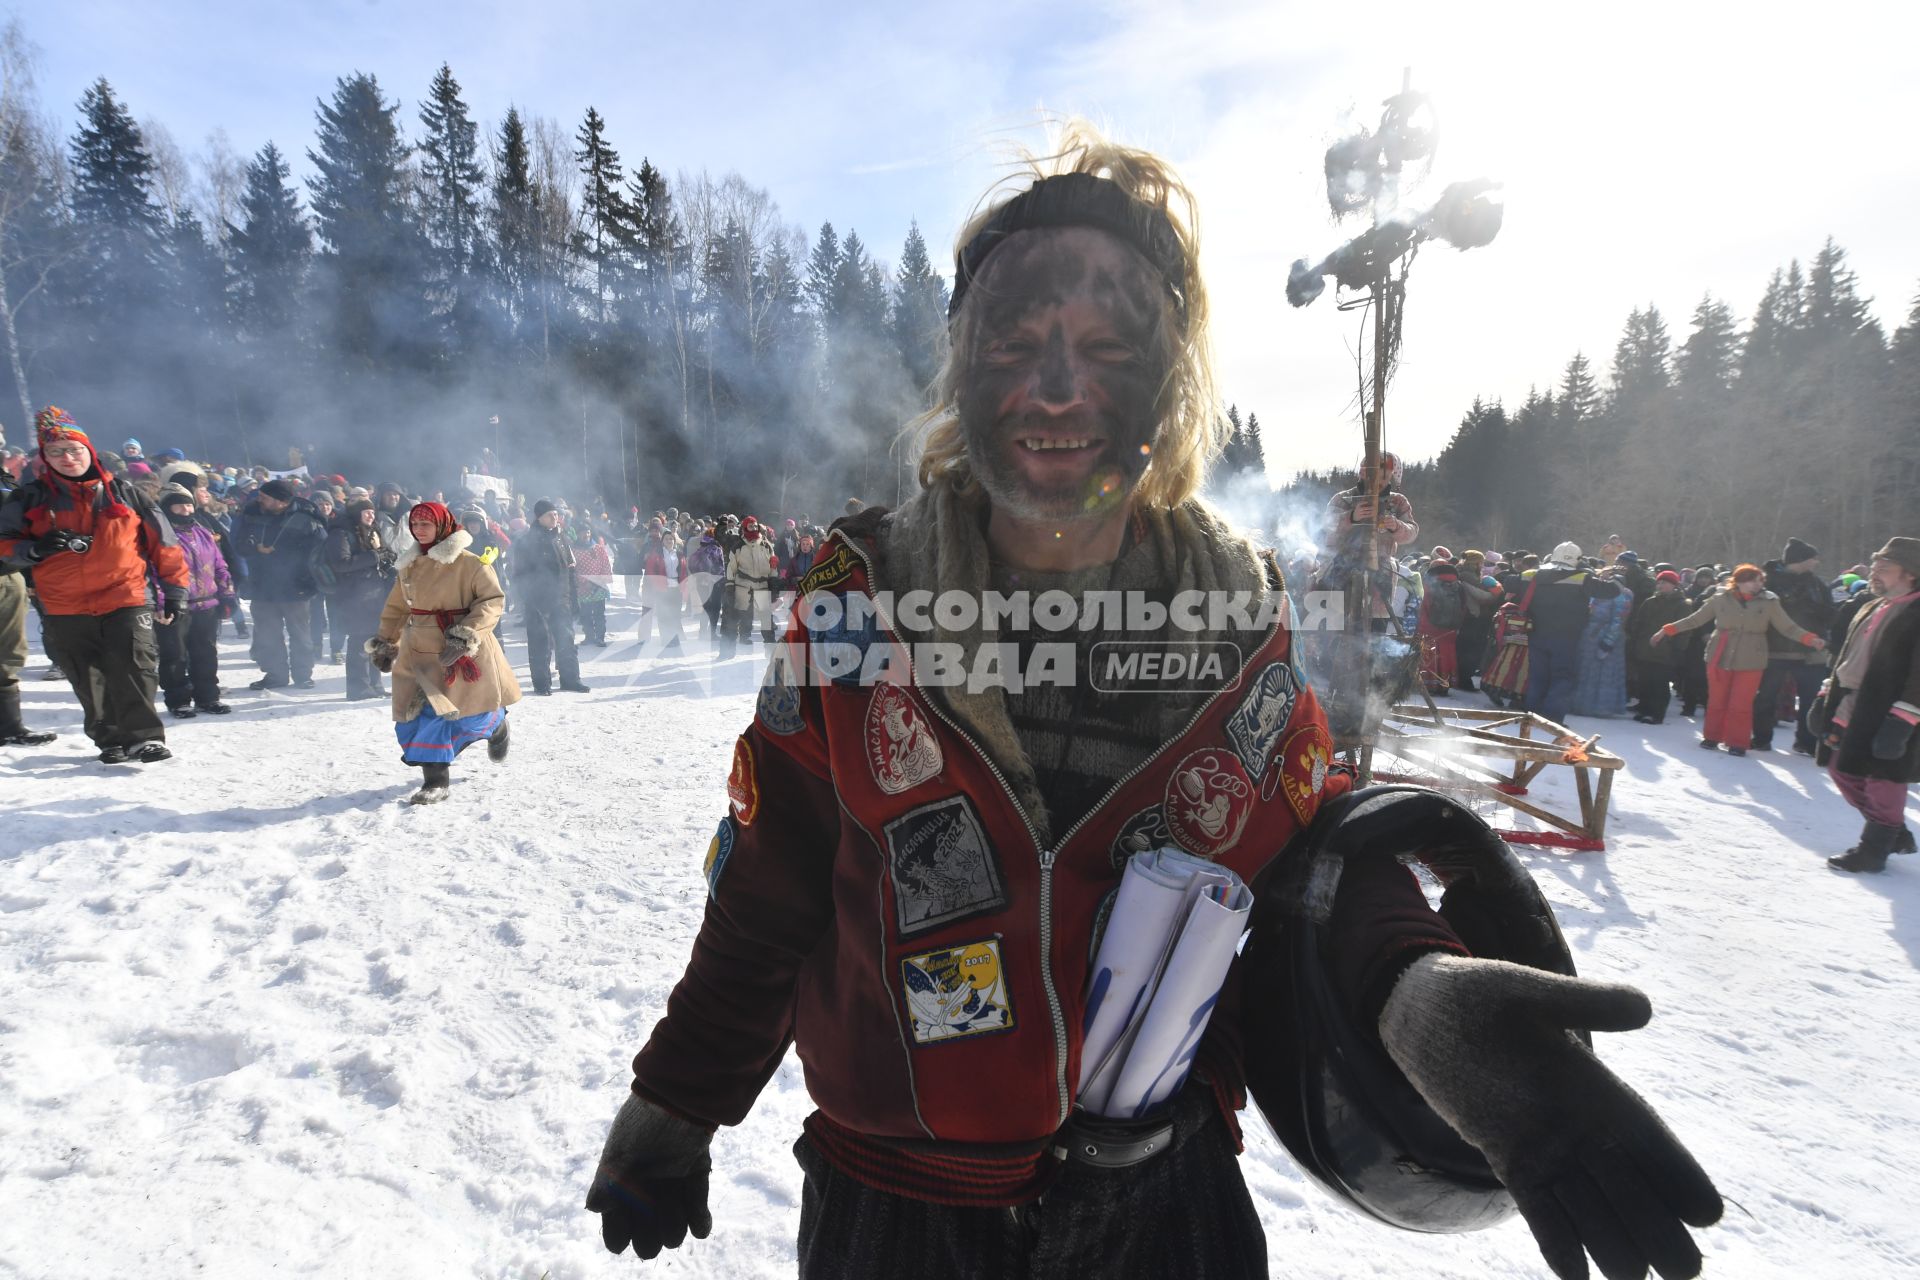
431, 738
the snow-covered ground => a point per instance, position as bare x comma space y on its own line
256, 1015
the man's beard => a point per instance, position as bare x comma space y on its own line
993, 452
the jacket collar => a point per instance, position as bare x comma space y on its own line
445, 551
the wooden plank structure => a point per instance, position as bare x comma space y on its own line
1489, 752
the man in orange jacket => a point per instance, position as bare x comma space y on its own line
91, 543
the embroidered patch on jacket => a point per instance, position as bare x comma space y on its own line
1257, 723
719, 849
743, 783
1208, 800
829, 573
901, 748
942, 867
957, 992
778, 707
1144, 832
838, 647
1303, 770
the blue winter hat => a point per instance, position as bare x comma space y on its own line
170, 455
1627, 557
130, 443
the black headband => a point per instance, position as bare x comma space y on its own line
1077, 200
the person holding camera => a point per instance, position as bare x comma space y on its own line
363, 568
91, 543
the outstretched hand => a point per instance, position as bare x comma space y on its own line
1591, 1167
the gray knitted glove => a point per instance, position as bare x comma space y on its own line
651, 1186
1490, 1046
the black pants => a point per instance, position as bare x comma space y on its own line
593, 620
1655, 689
329, 626
283, 639
550, 640
190, 659
359, 613
1805, 677
1184, 1212
113, 663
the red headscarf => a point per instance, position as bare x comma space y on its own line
443, 522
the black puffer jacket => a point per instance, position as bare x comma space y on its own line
1807, 600
279, 549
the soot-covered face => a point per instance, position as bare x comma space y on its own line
1065, 367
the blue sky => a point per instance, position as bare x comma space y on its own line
1652, 151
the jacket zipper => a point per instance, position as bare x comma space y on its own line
1047, 857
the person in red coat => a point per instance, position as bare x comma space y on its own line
91, 542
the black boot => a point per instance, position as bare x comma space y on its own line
12, 732
1871, 853
433, 787
1902, 843
497, 743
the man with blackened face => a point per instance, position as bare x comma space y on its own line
1053, 669
1065, 368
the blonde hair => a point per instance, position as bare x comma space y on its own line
1192, 432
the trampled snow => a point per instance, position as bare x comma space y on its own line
259, 1016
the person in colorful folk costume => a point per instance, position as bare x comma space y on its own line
907, 883
91, 544
452, 685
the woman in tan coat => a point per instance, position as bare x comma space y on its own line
1737, 653
451, 682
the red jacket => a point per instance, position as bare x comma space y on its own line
878, 897
129, 539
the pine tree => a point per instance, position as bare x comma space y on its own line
270, 249
823, 268
659, 243
605, 214
514, 212
919, 311
1834, 307
1709, 358
375, 294
1641, 361
112, 202
1579, 393
450, 168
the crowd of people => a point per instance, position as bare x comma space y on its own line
1757, 646
134, 561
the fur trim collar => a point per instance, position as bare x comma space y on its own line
445, 551
937, 542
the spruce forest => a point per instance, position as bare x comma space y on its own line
1715, 446
438, 286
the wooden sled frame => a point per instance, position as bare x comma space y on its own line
1490, 752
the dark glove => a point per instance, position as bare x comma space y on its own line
227, 605
49, 543
173, 601
383, 652
1590, 1166
651, 1186
1605, 648
1891, 738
